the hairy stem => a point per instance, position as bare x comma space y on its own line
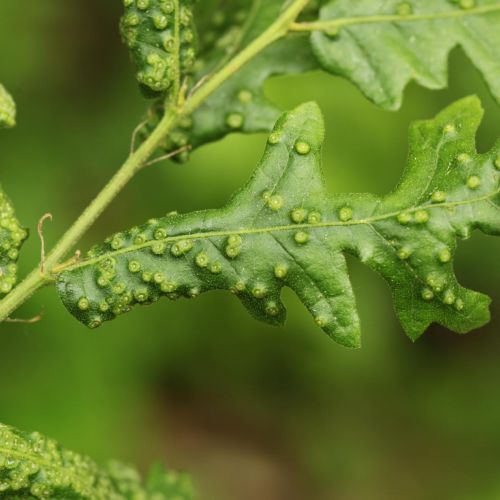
136, 160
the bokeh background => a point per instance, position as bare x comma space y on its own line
251, 411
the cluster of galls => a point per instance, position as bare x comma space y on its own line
126, 271
12, 236
36, 466
162, 38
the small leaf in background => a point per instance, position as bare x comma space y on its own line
284, 229
162, 39
383, 45
7, 109
33, 466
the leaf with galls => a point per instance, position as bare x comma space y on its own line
284, 229
162, 40
239, 105
33, 466
12, 236
383, 45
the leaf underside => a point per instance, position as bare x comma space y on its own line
284, 229
33, 466
12, 236
162, 41
239, 105
383, 45
379, 46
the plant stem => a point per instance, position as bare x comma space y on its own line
136, 160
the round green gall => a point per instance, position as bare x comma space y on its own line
321, 321
427, 294
160, 233
449, 129
233, 252
181, 248
103, 281
235, 240
445, 256
301, 237
245, 96
272, 308
404, 218
142, 4
158, 278
463, 158
168, 287
275, 202
281, 271
404, 253
314, 218
302, 148
449, 297
259, 291
83, 304
438, 197
459, 305
216, 268
202, 260
298, 215
134, 266
235, 120
421, 216
96, 322
147, 276
404, 9
274, 138
117, 242
345, 214
141, 295
158, 247
473, 182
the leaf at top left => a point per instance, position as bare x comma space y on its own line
7, 109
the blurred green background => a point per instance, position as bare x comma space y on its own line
251, 411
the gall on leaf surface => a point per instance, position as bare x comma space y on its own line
284, 230
381, 46
34, 466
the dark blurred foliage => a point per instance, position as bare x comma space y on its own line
253, 412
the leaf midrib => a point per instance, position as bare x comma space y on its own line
273, 229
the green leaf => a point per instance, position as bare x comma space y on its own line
284, 229
383, 45
12, 236
7, 109
161, 37
239, 105
33, 466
